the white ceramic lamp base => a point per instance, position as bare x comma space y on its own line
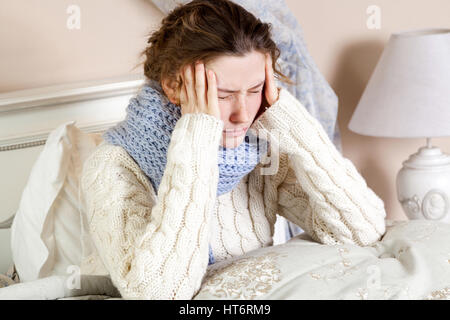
423, 185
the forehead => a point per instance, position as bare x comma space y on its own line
238, 73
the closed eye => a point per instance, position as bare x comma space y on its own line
223, 98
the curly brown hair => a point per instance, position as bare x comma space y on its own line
204, 30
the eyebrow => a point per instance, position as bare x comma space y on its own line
232, 91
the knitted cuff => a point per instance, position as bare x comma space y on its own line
205, 129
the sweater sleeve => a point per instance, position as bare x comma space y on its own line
321, 191
155, 247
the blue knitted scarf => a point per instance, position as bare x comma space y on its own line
145, 135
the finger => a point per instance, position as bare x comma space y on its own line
183, 100
183, 95
189, 83
213, 99
200, 85
270, 81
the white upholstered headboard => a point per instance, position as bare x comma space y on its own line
28, 116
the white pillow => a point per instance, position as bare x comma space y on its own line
45, 234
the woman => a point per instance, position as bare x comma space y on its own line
163, 199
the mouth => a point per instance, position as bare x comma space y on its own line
234, 133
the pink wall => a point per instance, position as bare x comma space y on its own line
37, 49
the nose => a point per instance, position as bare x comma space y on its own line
240, 112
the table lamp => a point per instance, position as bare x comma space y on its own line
408, 96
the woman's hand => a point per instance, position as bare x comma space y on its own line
198, 95
271, 92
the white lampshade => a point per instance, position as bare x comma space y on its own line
408, 94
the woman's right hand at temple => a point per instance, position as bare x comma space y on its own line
198, 94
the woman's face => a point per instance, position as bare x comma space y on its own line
240, 82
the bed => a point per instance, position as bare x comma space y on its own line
411, 261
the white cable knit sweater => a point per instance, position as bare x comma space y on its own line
157, 247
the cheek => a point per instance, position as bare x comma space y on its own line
255, 103
224, 108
